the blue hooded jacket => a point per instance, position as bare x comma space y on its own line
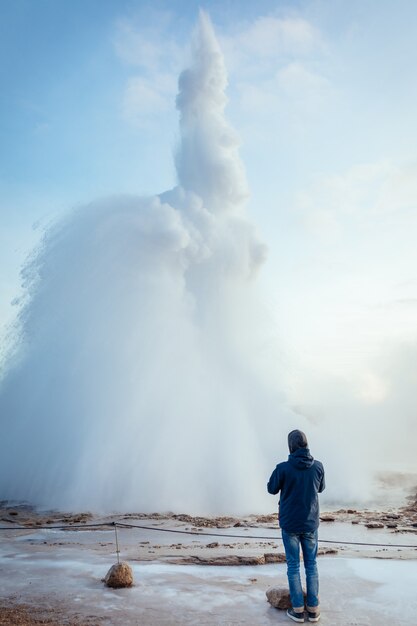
299, 480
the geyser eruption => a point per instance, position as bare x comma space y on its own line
135, 382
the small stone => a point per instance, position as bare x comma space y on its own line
119, 575
214, 544
327, 518
374, 525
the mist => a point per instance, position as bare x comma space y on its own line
144, 374
135, 380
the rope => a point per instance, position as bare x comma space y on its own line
213, 534
198, 533
50, 527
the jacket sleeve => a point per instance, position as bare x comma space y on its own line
274, 483
322, 485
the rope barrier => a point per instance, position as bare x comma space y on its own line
213, 534
66, 527
196, 533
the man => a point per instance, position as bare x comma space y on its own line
299, 480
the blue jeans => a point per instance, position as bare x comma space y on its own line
309, 545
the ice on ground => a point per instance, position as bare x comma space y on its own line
354, 591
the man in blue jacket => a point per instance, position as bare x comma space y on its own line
299, 480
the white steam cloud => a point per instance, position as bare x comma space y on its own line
143, 376
136, 382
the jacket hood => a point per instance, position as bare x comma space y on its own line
296, 439
301, 458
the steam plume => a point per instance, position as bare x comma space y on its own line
135, 383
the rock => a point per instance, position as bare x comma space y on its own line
325, 551
267, 519
215, 544
119, 575
222, 560
374, 525
274, 557
327, 518
279, 597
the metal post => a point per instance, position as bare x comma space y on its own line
117, 543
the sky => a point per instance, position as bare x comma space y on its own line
322, 95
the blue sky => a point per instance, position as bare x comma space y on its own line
322, 94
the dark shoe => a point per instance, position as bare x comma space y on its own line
297, 617
313, 616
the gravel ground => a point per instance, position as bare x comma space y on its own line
24, 615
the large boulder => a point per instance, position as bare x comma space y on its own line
119, 575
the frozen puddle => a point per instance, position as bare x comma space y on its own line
355, 591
